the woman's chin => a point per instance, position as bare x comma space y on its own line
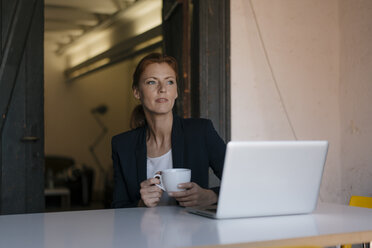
160, 111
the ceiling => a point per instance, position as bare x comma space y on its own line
68, 20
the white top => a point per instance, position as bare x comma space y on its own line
172, 226
159, 164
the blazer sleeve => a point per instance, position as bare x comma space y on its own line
216, 149
121, 197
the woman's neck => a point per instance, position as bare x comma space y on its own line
159, 131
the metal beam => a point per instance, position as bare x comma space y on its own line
101, 26
69, 22
69, 8
65, 26
117, 16
119, 51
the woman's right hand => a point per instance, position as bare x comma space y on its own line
150, 193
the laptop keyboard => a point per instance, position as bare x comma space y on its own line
213, 210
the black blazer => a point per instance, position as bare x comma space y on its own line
195, 145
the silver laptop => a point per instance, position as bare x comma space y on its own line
266, 178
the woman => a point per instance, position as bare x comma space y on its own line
162, 140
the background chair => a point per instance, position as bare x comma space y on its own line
56, 192
66, 184
54, 166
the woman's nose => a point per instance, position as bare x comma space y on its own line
162, 88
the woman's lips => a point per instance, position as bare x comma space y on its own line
161, 100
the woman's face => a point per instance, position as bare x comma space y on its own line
157, 89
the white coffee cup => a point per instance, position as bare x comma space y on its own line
170, 178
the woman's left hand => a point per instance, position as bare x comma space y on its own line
194, 195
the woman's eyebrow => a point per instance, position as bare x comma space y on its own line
168, 77
151, 77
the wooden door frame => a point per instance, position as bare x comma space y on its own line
204, 57
211, 63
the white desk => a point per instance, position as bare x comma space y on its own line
173, 227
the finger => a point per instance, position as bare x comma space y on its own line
146, 195
153, 189
152, 202
188, 204
145, 184
186, 198
193, 190
145, 192
177, 194
185, 185
152, 181
149, 182
152, 199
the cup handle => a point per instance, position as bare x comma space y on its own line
158, 176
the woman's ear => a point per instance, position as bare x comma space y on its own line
176, 94
136, 93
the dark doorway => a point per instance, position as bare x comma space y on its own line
195, 32
21, 107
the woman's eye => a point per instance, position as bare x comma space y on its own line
151, 82
170, 82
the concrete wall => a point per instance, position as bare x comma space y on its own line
356, 96
288, 62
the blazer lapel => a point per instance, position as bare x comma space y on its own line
141, 157
177, 143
